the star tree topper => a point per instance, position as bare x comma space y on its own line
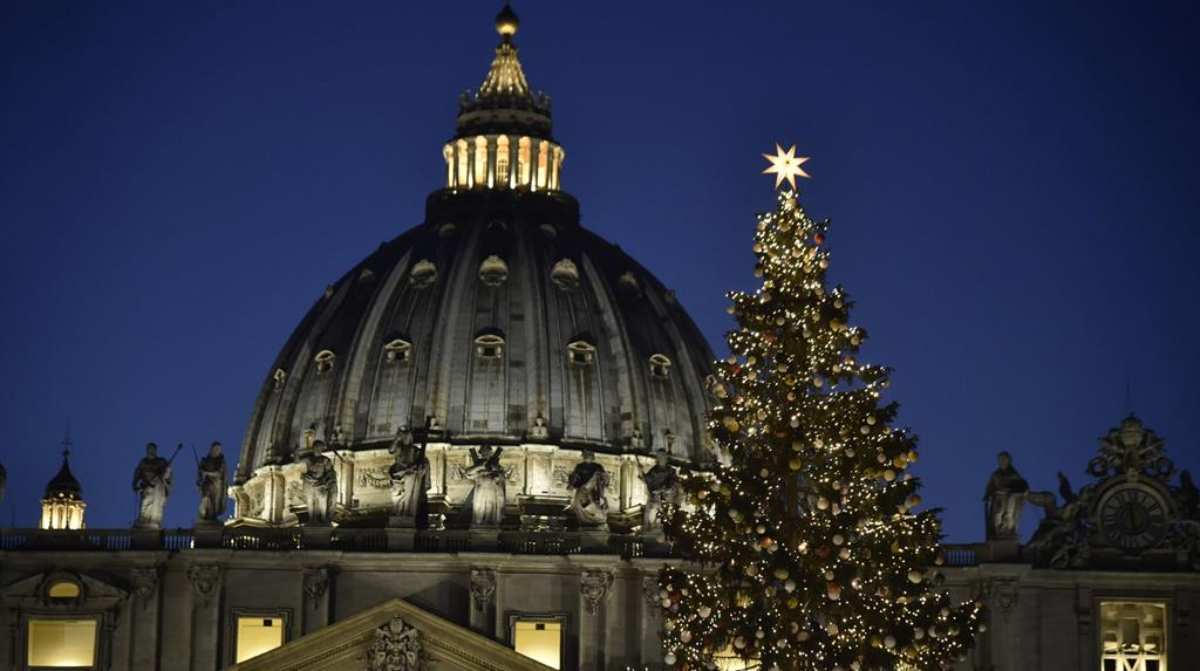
785, 165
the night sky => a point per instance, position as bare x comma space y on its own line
1014, 194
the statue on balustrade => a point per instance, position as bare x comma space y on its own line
152, 482
589, 481
486, 501
662, 489
210, 479
320, 485
409, 474
1005, 497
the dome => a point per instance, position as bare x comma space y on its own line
499, 320
497, 310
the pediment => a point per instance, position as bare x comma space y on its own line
384, 638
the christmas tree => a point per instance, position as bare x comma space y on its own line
812, 552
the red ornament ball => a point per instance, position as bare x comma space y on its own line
819, 238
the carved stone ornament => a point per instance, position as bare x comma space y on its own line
1003, 596
144, 583
316, 583
206, 582
397, 647
483, 587
651, 591
594, 584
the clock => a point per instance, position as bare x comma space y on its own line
1133, 517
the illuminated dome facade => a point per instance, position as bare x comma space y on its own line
499, 320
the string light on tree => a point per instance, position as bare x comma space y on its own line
820, 559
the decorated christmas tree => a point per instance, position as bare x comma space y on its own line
809, 550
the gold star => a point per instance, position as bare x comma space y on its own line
785, 165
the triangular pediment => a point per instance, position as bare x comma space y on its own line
362, 642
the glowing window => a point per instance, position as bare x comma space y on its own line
324, 361
481, 163
543, 164
729, 660
565, 275
63, 589
464, 166
502, 161
257, 634
448, 154
489, 346
1133, 636
660, 366
539, 638
523, 162
423, 274
493, 271
397, 350
62, 643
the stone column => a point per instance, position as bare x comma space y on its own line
317, 583
483, 601
594, 588
144, 617
206, 616
650, 612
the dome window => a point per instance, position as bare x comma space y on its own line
549, 231
489, 345
493, 271
279, 377
397, 350
581, 352
628, 282
324, 361
447, 229
423, 274
660, 366
565, 275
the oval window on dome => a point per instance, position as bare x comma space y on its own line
489, 346
397, 350
493, 271
581, 351
628, 282
279, 377
324, 360
423, 274
660, 366
565, 275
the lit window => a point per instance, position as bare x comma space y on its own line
493, 271
423, 274
502, 161
464, 166
448, 154
580, 352
489, 346
660, 366
1133, 636
539, 638
324, 361
729, 660
62, 643
543, 164
257, 634
481, 163
523, 162
64, 589
397, 350
565, 275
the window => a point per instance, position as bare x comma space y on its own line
489, 346
480, 176
62, 643
423, 274
397, 350
493, 271
463, 164
539, 638
64, 589
324, 361
256, 634
543, 164
660, 366
565, 275
580, 351
523, 162
279, 376
1133, 636
502, 161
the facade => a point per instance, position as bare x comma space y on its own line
456, 459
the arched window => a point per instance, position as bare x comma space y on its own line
581, 351
493, 271
565, 275
543, 164
502, 161
489, 345
324, 361
524, 162
423, 274
397, 350
481, 177
464, 165
660, 366
448, 154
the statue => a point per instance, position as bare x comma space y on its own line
152, 482
589, 480
409, 474
636, 442
486, 500
539, 431
320, 486
210, 479
1004, 498
662, 488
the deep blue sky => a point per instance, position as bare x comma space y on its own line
1014, 194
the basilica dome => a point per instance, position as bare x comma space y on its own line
498, 320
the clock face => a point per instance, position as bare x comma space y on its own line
1133, 518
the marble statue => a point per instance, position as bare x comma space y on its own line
589, 481
662, 489
636, 442
320, 486
152, 482
210, 479
1004, 498
409, 474
486, 500
539, 431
